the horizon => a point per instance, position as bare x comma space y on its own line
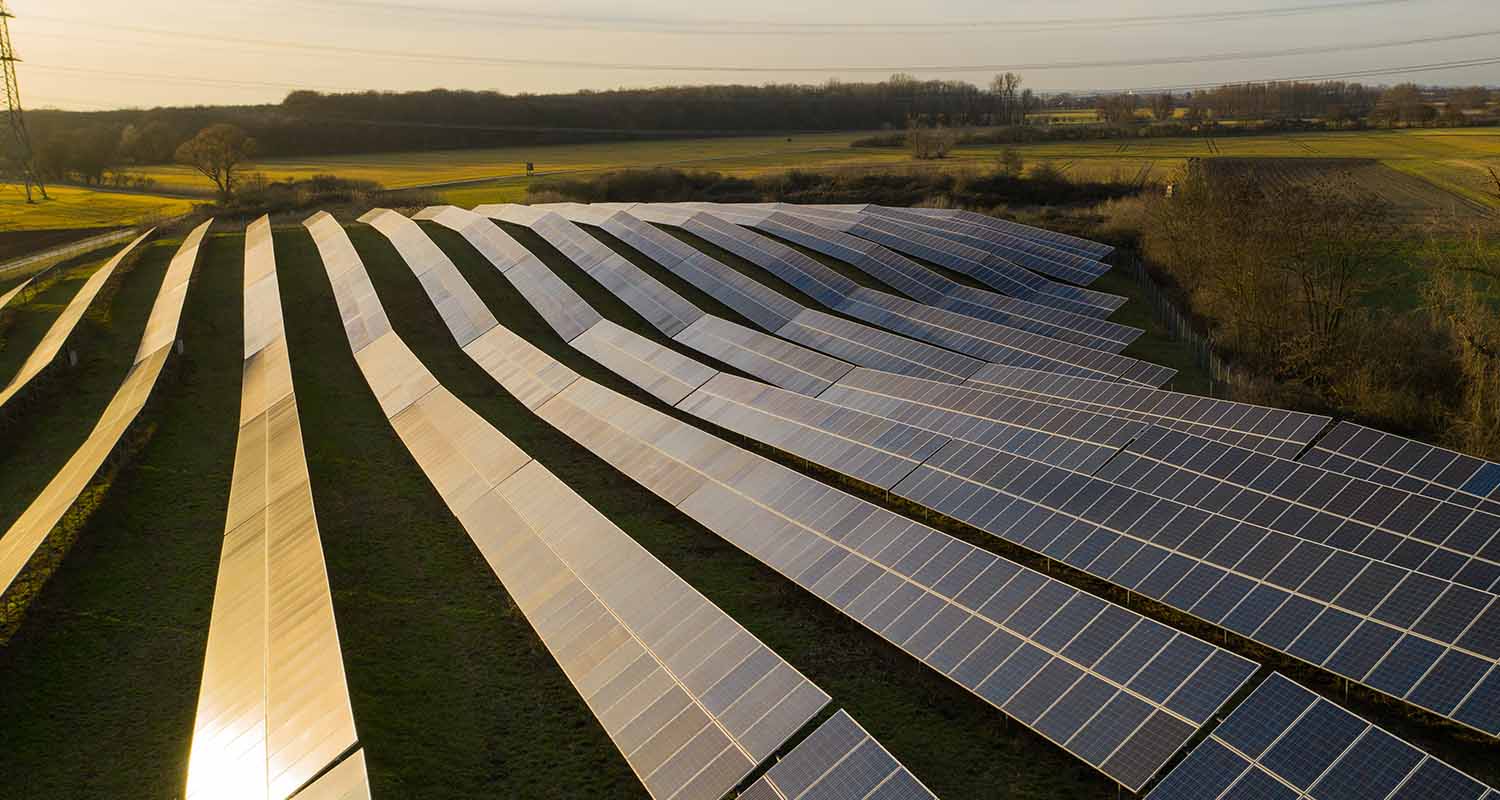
143, 56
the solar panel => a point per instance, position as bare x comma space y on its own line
863, 242
986, 623
1445, 540
14, 292
463, 312
1409, 464
1266, 586
30, 529
967, 335
51, 344
871, 347
1285, 741
347, 781
664, 309
760, 304
1073, 439
813, 429
665, 374
1058, 240
273, 707
775, 361
1268, 430
1035, 256
692, 700
559, 305
838, 761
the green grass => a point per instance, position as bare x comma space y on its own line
73, 207
22, 324
101, 679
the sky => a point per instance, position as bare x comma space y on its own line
92, 54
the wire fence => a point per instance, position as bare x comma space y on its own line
1222, 375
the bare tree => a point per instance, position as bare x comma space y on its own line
1163, 106
218, 152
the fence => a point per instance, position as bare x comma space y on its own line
1220, 372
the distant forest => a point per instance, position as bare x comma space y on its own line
96, 147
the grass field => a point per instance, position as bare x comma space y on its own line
72, 207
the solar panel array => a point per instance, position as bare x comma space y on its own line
972, 337
52, 342
972, 454
1445, 540
693, 701
847, 341
1061, 241
30, 529
1015, 279
273, 707
1408, 464
14, 292
1286, 743
1431, 642
838, 761
1038, 257
1093, 678
1268, 430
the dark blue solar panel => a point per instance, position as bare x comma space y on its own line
1268, 711
1206, 773
1375, 765
1312, 744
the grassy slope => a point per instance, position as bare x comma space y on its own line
101, 680
960, 746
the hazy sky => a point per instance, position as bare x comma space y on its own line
88, 54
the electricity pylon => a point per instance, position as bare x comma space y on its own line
17, 117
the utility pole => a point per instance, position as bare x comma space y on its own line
22, 141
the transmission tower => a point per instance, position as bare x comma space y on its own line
17, 117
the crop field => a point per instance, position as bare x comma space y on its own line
404, 170
73, 207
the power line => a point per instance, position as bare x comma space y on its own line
1330, 76
758, 27
447, 58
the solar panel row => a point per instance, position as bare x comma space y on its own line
875, 246
976, 338
14, 292
1121, 692
838, 761
1275, 589
273, 707
1415, 637
30, 529
52, 342
1408, 464
921, 241
1445, 540
664, 309
1061, 241
1268, 430
1286, 743
691, 698
775, 361
850, 342
1038, 257
1077, 440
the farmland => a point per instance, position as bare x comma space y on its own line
74, 207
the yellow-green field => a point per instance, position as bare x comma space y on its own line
72, 207
1455, 161
404, 170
